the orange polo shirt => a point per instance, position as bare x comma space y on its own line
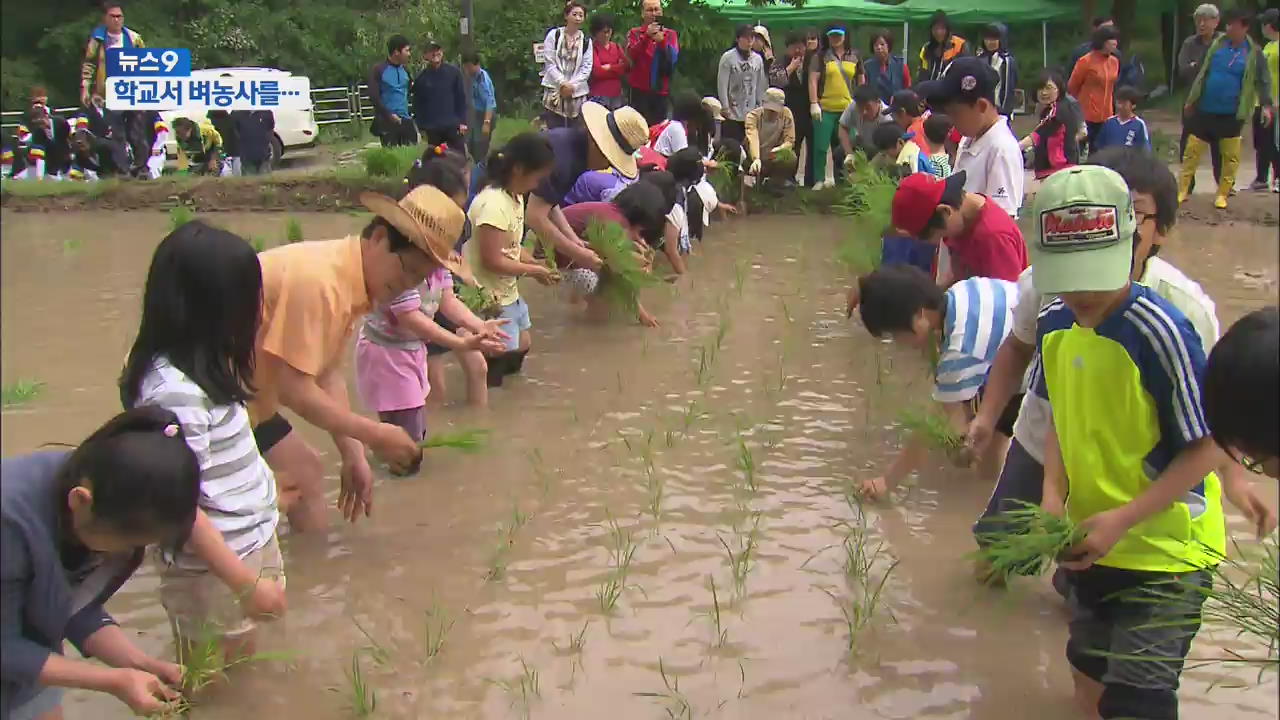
1092, 82
313, 294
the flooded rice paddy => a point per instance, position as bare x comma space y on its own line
659, 527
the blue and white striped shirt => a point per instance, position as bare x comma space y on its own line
979, 316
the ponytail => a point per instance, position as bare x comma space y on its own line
441, 168
529, 151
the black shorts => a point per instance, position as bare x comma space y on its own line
1008, 416
270, 432
1211, 127
432, 348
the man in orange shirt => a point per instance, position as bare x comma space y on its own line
1093, 80
312, 295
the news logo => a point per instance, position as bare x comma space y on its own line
162, 79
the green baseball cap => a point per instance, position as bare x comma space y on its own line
1083, 234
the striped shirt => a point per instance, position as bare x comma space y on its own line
237, 488
979, 315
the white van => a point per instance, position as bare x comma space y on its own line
295, 129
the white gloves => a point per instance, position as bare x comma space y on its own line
849, 161
815, 111
755, 167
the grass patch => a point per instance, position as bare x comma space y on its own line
292, 230
468, 441
20, 392
507, 128
391, 162
66, 188
1028, 541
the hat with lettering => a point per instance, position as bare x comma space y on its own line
618, 134
431, 220
918, 197
1082, 237
966, 78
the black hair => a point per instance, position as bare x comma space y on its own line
1237, 15
865, 93
644, 206
396, 42
569, 7
471, 58
1271, 18
144, 478
396, 240
939, 18
108, 4
1100, 21
729, 149
663, 181
812, 32
184, 122
880, 34
937, 127
431, 46
886, 136
1129, 93
795, 37
440, 168
992, 30
1144, 173
744, 31
686, 166
698, 123
891, 296
1052, 74
1100, 37
201, 309
1241, 382
825, 43
529, 151
952, 196
602, 21
910, 102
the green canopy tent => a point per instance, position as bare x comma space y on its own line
814, 12
1002, 11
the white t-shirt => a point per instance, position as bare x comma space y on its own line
993, 167
115, 41
1166, 280
672, 139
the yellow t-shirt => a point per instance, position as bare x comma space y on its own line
312, 295
1271, 53
836, 94
497, 209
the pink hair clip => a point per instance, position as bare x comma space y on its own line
171, 430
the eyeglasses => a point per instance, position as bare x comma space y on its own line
1252, 465
1142, 216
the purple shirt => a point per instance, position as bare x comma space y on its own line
594, 186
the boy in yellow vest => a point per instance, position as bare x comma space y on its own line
1129, 457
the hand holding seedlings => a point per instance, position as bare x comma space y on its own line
143, 692
874, 489
1102, 532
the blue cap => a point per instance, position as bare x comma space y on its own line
835, 31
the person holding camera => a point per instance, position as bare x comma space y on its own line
653, 49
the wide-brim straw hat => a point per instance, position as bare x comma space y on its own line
431, 220
712, 104
618, 134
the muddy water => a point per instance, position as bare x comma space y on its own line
616, 424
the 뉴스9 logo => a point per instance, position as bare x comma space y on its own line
1079, 227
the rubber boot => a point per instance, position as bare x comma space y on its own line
1190, 161
1230, 166
495, 373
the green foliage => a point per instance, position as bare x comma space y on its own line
292, 230
867, 198
179, 216
624, 270
480, 301
934, 427
390, 162
468, 441
20, 392
1027, 541
725, 179
785, 156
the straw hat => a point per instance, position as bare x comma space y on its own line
774, 98
430, 219
712, 104
763, 32
618, 134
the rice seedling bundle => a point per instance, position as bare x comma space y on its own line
480, 301
867, 198
724, 178
625, 271
934, 427
785, 156
179, 216
1027, 542
468, 441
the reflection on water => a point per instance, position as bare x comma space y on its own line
714, 461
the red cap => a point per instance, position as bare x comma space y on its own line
917, 198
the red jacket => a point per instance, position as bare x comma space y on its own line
607, 83
648, 59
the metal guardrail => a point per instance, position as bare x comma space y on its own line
331, 105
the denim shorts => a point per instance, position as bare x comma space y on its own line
1112, 615
48, 699
516, 319
1021, 480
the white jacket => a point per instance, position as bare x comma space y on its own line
553, 75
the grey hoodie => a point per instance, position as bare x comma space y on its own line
741, 83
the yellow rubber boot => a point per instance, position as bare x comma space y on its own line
1230, 148
1190, 161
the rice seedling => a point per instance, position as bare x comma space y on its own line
376, 652
717, 623
1027, 541
706, 358
362, 699
782, 373
868, 199
180, 215
20, 392
784, 156
577, 642
722, 330
689, 416
468, 441
437, 626
292, 230
203, 661
674, 702
523, 688
390, 162
480, 301
786, 311
746, 461
541, 471
71, 246
625, 271
258, 244
500, 554
622, 550
724, 178
935, 428
656, 486
741, 562
739, 276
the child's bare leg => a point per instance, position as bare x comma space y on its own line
300, 478
1088, 692
476, 369
436, 379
